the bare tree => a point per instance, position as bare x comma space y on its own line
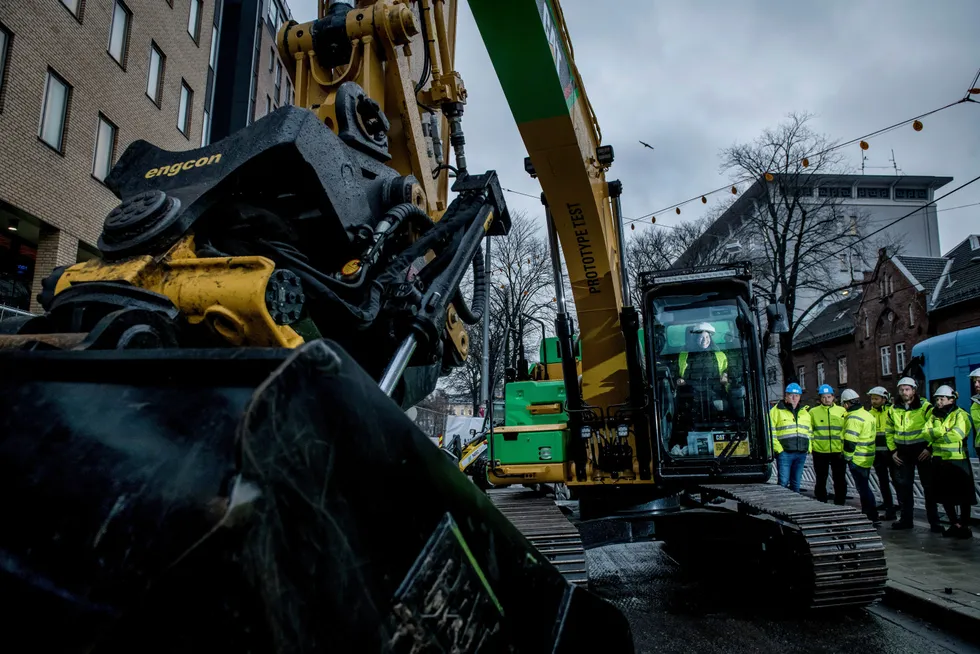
522, 288
801, 239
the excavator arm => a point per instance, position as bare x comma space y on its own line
202, 439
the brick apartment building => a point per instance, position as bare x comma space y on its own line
253, 80
866, 339
79, 81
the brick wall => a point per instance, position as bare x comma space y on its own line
59, 189
956, 317
265, 86
827, 354
894, 320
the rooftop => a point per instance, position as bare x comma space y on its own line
731, 219
961, 279
835, 321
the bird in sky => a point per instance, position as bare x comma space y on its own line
646, 145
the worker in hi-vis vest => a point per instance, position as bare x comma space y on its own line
789, 426
827, 419
859, 449
908, 441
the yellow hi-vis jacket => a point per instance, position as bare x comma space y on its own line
883, 415
790, 433
859, 437
828, 424
975, 414
720, 359
909, 426
948, 436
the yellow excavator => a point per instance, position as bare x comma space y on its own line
203, 444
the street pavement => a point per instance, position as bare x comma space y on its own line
672, 611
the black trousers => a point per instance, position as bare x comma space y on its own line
887, 471
909, 454
824, 464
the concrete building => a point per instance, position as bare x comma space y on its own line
873, 210
252, 79
866, 340
79, 81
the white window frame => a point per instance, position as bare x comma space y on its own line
911, 316
801, 373
205, 128
160, 72
821, 374
842, 370
213, 58
900, 359
194, 20
185, 107
100, 169
885, 354
54, 78
127, 16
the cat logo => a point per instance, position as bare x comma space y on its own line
174, 169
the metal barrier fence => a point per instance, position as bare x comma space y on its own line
7, 312
809, 482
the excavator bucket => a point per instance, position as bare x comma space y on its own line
262, 500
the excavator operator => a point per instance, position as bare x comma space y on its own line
702, 373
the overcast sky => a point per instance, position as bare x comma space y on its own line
693, 76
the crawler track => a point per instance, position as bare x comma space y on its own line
844, 551
547, 528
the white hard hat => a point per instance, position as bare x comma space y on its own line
878, 390
975, 373
703, 327
944, 391
907, 381
848, 395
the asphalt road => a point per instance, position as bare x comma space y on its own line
671, 611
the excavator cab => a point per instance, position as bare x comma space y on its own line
704, 361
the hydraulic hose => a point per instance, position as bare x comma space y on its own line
479, 292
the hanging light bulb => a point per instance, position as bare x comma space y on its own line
653, 219
769, 177
864, 145
704, 200
734, 190
632, 226
917, 125
678, 210
974, 91
806, 162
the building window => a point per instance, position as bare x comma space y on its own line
268, 105
911, 316
54, 111
821, 375
772, 374
75, 7
194, 21
278, 81
890, 284
5, 40
119, 33
205, 128
867, 326
273, 13
834, 191
899, 357
854, 226
842, 370
213, 61
911, 194
154, 77
272, 58
801, 374
289, 93
184, 110
880, 193
105, 148
886, 360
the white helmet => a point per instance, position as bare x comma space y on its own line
848, 395
945, 391
703, 327
975, 373
879, 390
907, 381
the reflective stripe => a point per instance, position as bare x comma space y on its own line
793, 435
